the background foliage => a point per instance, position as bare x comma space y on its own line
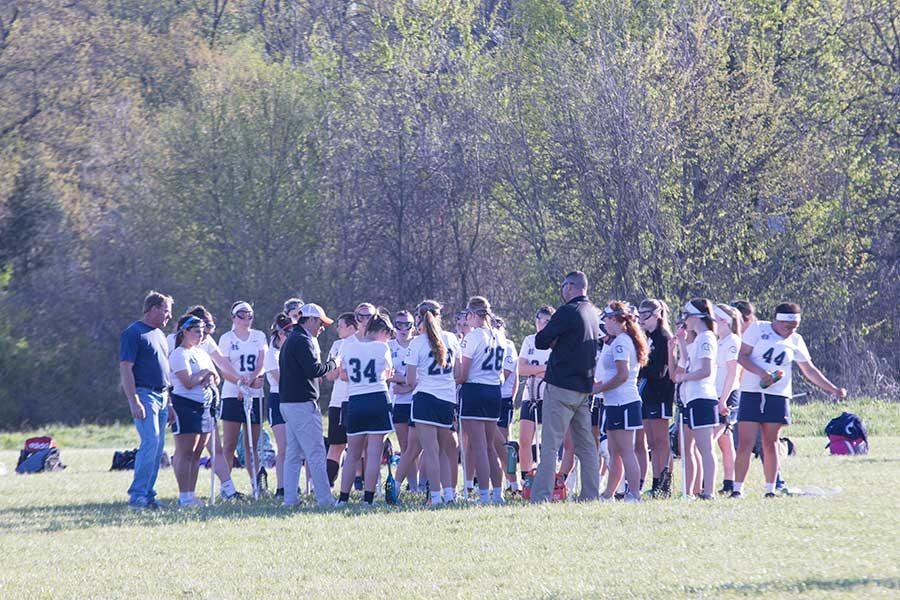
393, 150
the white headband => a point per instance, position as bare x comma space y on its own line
692, 311
241, 306
790, 317
721, 314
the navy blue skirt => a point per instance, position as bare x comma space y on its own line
480, 402
702, 413
275, 417
431, 410
627, 417
764, 408
369, 414
191, 416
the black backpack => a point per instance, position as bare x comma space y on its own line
847, 435
123, 461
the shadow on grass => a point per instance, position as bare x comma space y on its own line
65, 517
804, 585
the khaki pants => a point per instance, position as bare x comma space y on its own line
303, 429
562, 407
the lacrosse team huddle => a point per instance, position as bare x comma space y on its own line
614, 391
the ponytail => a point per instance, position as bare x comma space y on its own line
624, 314
433, 331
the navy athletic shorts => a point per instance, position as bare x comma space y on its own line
627, 417
431, 410
480, 402
506, 413
275, 417
337, 434
233, 410
702, 413
369, 414
764, 408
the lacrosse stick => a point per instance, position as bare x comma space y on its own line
250, 450
213, 410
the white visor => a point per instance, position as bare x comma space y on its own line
789, 317
241, 306
721, 314
690, 310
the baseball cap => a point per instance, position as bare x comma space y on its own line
314, 310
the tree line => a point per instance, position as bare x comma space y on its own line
393, 150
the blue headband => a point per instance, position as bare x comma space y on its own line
189, 323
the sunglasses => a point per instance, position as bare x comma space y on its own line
645, 314
247, 316
403, 324
362, 316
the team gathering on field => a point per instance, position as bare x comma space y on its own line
602, 385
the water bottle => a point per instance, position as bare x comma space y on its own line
776, 375
512, 458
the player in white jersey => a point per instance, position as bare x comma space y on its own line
192, 396
337, 432
366, 367
698, 379
481, 377
728, 381
245, 349
432, 358
401, 396
281, 328
292, 308
768, 351
532, 366
227, 372
507, 395
616, 376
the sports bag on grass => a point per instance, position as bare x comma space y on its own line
847, 435
38, 455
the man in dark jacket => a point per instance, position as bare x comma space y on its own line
572, 334
300, 367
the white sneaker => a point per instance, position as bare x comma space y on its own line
632, 499
190, 503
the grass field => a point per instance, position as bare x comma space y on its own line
69, 534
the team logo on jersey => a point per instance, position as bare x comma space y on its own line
619, 349
235, 346
530, 351
707, 346
765, 336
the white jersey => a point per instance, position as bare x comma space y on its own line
534, 357
191, 360
485, 348
705, 345
729, 346
511, 364
773, 352
365, 364
339, 393
398, 356
242, 354
271, 366
431, 378
621, 349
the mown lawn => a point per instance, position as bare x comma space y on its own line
70, 535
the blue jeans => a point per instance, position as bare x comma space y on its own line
152, 430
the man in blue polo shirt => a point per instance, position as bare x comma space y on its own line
144, 370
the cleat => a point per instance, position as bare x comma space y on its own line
736, 495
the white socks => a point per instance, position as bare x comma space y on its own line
449, 494
484, 495
738, 485
185, 497
497, 494
228, 488
436, 498
770, 488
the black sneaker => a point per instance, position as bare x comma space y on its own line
262, 481
279, 493
704, 497
770, 495
665, 484
735, 494
235, 497
726, 489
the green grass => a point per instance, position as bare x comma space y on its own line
69, 534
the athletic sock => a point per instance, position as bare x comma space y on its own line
770, 488
524, 475
484, 495
727, 485
228, 488
332, 467
656, 483
368, 497
344, 497
183, 497
449, 494
436, 498
737, 486
497, 493
470, 483
514, 486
